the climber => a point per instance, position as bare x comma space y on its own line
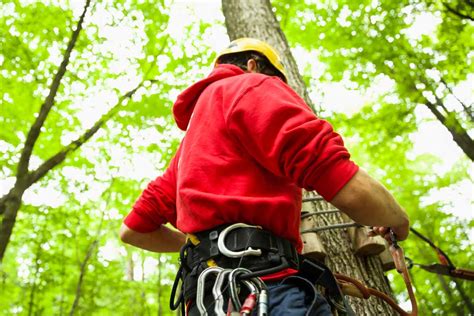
251, 145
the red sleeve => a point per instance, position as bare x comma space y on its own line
157, 203
281, 132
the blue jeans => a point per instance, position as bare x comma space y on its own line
296, 296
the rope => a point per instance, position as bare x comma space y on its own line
446, 267
442, 256
354, 287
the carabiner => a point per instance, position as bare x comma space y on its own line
200, 288
251, 300
235, 254
262, 296
233, 287
217, 292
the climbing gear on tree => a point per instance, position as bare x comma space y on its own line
356, 288
446, 266
252, 44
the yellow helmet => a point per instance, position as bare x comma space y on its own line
251, 44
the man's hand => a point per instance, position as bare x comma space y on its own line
400, 232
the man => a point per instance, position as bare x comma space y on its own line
251, 144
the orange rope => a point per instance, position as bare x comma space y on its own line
354, 287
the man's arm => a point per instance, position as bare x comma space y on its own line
163, 239
368, 202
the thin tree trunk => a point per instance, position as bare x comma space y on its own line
255, 18
35, 129
34, 286
10, 203
160, 309
63, 276
90, 252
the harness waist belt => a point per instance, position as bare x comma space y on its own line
272, 248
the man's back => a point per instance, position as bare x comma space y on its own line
250, 146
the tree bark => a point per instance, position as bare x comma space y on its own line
255, 18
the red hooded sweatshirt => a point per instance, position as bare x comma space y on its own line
251, 144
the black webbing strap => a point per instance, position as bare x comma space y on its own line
241, 239
318, 273
274, 249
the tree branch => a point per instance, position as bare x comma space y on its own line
460, 136
74, 145
48, 103
468, 109
457, 13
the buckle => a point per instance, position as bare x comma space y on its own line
236, 254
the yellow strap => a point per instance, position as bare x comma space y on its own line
195, 241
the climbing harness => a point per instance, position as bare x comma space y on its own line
227, 262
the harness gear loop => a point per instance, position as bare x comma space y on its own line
236, 254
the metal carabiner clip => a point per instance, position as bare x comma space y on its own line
217, 292
200, 288
235, 254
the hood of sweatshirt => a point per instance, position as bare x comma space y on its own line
184, 106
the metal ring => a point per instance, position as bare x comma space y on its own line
235, 254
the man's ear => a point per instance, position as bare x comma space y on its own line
251, 65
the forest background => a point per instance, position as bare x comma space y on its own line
373, 68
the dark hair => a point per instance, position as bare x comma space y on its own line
240, 60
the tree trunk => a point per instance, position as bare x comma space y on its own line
10, 205
255, 18
159, 287
80, 282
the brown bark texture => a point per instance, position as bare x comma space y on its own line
255, 18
